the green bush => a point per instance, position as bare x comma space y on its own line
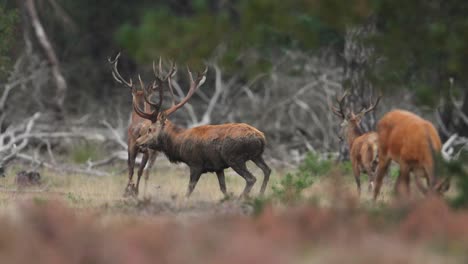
85, 152
8, 20
289, 189
457, 173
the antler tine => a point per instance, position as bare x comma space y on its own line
141, 82
194, 85
172, 72
154, 70
160, 66
157, 105
114, 60
115, 71
340, 112
169, 79
372, 106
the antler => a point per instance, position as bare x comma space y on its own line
340, 112
194, 85
151, 116
168, 77
157, 106
171, 73
115, 72
371, 107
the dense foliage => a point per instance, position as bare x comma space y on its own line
8, 21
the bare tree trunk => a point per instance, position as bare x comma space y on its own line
357, 56
61, 84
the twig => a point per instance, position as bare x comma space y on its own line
116, 134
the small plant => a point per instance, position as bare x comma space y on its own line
455, 170
394, 172
289, 189
313, 165
84, 152
258, 204
74, 198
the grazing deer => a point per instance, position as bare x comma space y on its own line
139, 126
411, 142
207, 148
362, 146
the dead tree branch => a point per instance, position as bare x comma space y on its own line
41, 35
11, 144
66, 169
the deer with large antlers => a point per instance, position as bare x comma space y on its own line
207, 148
139, 126
362, 146
412, 142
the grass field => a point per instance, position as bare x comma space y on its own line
83, 219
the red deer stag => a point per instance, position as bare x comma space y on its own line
139, 126
411, 142
362, 146
207, 148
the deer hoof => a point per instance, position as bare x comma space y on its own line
130, 190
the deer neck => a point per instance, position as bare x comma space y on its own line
353, 132
172, 142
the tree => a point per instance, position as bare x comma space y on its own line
8, 23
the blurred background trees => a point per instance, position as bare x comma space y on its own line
283, 58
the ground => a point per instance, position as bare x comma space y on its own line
84, 219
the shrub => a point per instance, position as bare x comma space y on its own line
456, 171
84, 152
289, 189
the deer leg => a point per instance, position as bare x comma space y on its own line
152, 158
403, 181
144, 160
195, 174
250, 180
132, 153
371, 176
381, 171
266, 172
418, 174
357, 176
222, 182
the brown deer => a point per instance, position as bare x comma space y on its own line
139, 126
362, 146
412, 142
207, 148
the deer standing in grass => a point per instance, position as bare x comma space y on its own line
207, 148
412, 142
362, 146
139, 126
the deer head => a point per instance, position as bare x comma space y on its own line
159, 84
349, 118
159, 117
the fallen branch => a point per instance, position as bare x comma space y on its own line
67, 169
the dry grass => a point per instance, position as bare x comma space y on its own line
93, 223
167, 185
